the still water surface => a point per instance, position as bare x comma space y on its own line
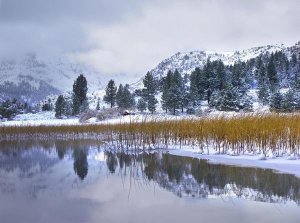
83, 182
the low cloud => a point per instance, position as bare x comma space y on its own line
126, 40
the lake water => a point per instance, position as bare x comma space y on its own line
83, 182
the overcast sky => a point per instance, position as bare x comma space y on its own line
132, 36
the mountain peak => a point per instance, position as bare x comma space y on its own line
186, 62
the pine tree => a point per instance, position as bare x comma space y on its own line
194, 87
263, 89
152, 103
98, 105
220, 76
8, 109
296, 81
111, 92
141, 105
119, 96
60, 107
227, 100
149, 85
128, 97
165, 91
79, 94
289, 103
175, 93
210, 80
276, 101
272, 75
149, 91
124, 97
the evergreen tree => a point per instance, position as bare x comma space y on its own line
263, 89
209, 76
46, 107
175, 93
124, 97
276, 101
220, 76
119, 96
79, 94
149, 85
152, 103
98, 105
141, 105
289, 103
128, 97
9, 109
149, 91
194, 87
60, 107
186, 99
111, 93
227, 100
296, 81
165, 91
272, 75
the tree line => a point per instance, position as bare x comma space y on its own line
215, 85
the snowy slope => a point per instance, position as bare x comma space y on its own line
42, 76
185, 63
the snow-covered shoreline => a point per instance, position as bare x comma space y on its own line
278, 164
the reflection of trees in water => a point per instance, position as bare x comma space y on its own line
197, 178
61, 149
30, 153
80, 161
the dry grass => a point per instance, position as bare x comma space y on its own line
239, 134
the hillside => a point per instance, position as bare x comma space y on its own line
186, 62
31, 78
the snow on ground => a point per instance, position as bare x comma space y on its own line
41, 118
48, 118
279, 164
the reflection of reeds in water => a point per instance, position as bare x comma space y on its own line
277, 133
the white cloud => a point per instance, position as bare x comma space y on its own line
125, 40
135, 45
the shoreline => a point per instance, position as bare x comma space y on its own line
278, 164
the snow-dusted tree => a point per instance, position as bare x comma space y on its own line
60, 107
124, 98
289, 103
263, 89
152, 103
141, 105
9, 109
272, 75
79, 97
119, 96
276, 101
194, 87
175, 92
98, 105
227, 100
165, 91
110, 93
149, 91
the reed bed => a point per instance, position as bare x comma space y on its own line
254, 134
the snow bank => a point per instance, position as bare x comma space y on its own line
280, 164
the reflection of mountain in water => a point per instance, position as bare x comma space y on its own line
185, 177
190, 177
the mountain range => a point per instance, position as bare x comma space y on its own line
31, 78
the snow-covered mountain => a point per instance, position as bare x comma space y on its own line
32, 78
186, 62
